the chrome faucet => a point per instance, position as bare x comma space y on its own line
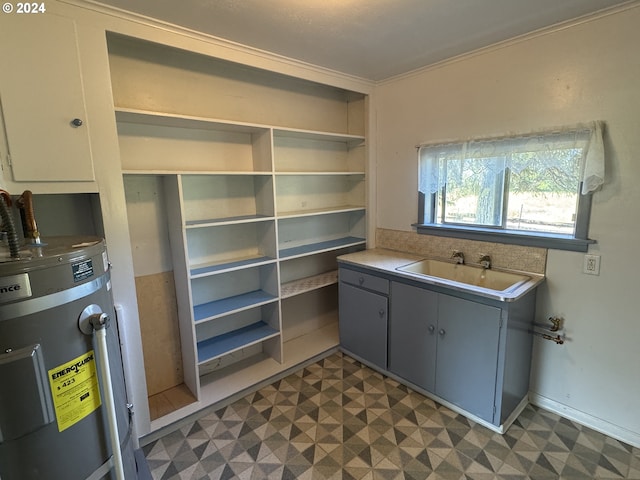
485, 261
458, 256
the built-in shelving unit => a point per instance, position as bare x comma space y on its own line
252, 216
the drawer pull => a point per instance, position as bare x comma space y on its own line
381, 313
361, 280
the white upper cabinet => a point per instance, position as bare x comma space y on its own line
43, 99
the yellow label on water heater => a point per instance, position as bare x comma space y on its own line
75, 390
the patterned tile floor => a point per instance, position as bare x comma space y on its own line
337, 419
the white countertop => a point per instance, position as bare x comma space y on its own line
380, 259
388, 261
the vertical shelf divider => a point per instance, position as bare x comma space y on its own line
274, 348
175, 212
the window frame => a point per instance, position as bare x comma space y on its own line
501, 192
579, 241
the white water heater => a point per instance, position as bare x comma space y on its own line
57, 412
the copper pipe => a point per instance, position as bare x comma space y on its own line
7, 197
556, 324
558, 339
25, 203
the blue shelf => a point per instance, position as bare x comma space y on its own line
320, 247
209, 269
231, 304
228, 342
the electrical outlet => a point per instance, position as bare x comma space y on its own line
591, 265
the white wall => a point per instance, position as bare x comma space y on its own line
588, 71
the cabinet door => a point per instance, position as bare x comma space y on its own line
468, 335
42, 99
412, 334
363, 324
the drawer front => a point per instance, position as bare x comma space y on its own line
364, 280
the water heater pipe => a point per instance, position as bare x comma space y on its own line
25, 204
99, 323
7, 221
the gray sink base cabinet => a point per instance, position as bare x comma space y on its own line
467, 352
365, 306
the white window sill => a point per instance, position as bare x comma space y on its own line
529, 239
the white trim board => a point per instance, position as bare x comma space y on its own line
583, 418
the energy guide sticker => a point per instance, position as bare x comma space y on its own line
75, 390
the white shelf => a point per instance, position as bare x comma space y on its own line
238, 197
197, 172
320, 247
230, 265
222, 247
321, 211
227, 221
303, 285
297, 195
316, 135
315, 173
165, 143
303, 152
149, 117
146, 117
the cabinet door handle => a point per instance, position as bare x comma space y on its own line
76, 122
442, 332
432, 328
381, 312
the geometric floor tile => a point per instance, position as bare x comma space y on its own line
338, 419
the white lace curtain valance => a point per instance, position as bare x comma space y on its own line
538, 151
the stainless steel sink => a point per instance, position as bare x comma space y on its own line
472, 276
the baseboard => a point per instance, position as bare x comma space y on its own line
595, 423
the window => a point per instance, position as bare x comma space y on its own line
535, 189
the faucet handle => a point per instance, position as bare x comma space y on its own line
458, 255
485, 261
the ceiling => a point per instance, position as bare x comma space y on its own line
370, 39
